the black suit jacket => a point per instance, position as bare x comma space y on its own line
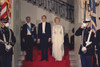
47, 30
24, 30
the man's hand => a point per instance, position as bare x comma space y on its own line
23, 40
49, 39
84, 49
34, 40
8, 47
38, 41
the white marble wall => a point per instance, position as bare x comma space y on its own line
16, 28
78, 18
98, 15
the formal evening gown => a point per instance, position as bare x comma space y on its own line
57, 40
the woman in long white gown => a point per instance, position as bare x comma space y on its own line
57, 40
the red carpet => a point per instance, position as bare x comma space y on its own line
51, 63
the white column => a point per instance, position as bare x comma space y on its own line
78, 17
16, 28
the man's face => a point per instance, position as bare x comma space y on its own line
28, 20
88, 25
6, 25
44, 19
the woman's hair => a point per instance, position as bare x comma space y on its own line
56, 18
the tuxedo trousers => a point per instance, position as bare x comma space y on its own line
6, 61
44, 46
29, 47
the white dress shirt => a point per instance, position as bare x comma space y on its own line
28, 32
43, 27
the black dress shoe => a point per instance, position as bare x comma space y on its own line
31, 60
41, 59
26, 60
46, 59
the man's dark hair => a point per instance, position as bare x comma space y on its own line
44, 16
28, 17
73, 30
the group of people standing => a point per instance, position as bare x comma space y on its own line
45, 35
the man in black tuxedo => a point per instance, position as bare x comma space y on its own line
7, 42
44, 37
29, 38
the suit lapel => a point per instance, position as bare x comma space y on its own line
45, 26
26, 28
31, 26
41, 27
